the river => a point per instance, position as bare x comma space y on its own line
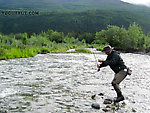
64, 83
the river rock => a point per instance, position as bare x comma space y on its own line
57, 51
101, 94
106, 110
71, 50
107, 101
95, 105
93, 96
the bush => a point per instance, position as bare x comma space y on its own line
44, 50
2, 51
133, 38
83, 50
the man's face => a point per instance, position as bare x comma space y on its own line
107, 53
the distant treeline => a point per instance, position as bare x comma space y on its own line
26, 45
70, 21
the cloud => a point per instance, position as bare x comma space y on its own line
138, 2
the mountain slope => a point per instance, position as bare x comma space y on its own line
63, 4
72, 15
52, 5
83, 21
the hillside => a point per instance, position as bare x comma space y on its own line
68, 4
71, 15
81, 21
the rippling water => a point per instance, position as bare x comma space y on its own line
60, 83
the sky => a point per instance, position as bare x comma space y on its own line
139, 2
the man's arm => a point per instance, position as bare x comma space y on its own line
112, 61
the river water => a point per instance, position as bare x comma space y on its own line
64, 83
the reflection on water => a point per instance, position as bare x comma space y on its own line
61, 83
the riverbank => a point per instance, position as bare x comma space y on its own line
133, 50
31, 52
22, 45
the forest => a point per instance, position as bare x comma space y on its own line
20, 45
67, 21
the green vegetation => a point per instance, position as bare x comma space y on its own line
27, 45
90, 21
70, 16
119, 37
51, 5
83, 50
24, 45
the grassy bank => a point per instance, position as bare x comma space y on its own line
31, 52
13, 48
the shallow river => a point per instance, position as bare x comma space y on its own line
64, 83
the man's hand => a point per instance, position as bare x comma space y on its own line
98, 66
99, 60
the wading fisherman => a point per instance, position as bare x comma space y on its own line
117, 65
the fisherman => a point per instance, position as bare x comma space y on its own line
117, 65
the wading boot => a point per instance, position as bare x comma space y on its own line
119, 98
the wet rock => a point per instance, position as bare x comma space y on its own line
106, 110
57, 51
109, 106
133, 110
71, 50
123, 104
95, 105
101, 94
93, 96
107, 101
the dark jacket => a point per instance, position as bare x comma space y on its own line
114, 61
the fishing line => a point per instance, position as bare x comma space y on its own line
95, 58
96, 61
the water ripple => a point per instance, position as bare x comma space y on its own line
61, 83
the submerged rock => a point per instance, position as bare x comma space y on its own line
106, 110
58, 52
71, 50
93, 96
101, 94
95, 105
133, 110
107, 101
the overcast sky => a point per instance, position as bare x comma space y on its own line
138, 2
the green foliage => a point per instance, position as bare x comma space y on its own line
83, 50
17, 53
17, 44
38, 40
2, 51
20, 45
55, 36
119, 37
81, 22
29, 52
136, 35
147, 42
44, 50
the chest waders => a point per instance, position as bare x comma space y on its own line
118, 78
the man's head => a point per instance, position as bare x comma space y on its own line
107, 49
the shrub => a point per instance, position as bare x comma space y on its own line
44, 50
83, 50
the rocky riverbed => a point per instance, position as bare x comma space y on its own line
64, 83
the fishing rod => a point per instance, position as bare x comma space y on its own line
96, 61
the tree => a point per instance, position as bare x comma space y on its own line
135, 33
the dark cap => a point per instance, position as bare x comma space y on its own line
107, 48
